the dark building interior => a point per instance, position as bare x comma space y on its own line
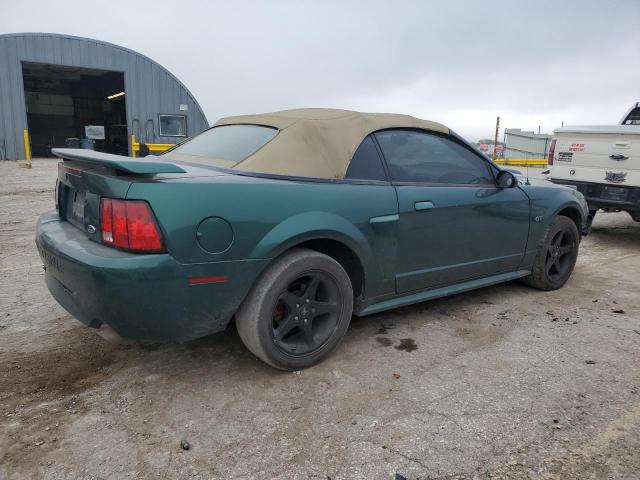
62, 101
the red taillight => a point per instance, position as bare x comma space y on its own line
119, 221
129, 225
552, 151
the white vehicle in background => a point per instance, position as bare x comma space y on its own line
602, 162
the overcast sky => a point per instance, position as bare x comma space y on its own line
458, 62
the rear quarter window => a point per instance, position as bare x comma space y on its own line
366, 163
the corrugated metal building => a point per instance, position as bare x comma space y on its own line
55, 86
526, 145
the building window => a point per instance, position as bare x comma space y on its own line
173, 125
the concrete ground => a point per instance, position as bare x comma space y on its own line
505, 382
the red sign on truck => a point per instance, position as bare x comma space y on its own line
576, 147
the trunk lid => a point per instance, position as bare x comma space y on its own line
79, 189
85, 176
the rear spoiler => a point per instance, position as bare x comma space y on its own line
116, 162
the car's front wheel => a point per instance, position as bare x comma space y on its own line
298, 310
557, 255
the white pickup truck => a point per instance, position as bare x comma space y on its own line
603, 162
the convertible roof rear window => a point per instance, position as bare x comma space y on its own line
225, 145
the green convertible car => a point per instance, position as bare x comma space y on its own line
290, 222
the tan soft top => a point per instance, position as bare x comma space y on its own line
317, 142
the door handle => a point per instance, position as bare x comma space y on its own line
618, 156
425, 205
384, 219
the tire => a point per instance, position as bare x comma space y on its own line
298, 311
557, 255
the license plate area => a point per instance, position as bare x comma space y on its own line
74, 202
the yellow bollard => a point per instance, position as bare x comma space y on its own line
27, 150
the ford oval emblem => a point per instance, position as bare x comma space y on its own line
91, 229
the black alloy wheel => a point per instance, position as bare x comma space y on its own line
561, 255
557, 254
298, 310
306, 314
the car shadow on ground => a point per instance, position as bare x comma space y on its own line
224, 352
627, 235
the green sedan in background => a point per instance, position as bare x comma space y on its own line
291, 222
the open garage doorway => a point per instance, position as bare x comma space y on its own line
67, 106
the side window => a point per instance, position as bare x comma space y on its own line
366, 163
431, 158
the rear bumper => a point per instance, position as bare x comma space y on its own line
600, 195
144, 297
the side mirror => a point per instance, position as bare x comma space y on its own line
506, 179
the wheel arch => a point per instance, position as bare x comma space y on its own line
326, 233
342, 254
574, 213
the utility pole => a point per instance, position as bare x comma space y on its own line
495, 139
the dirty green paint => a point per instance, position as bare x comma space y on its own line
468, 237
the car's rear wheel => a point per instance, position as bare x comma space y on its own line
557, 255
298, 310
